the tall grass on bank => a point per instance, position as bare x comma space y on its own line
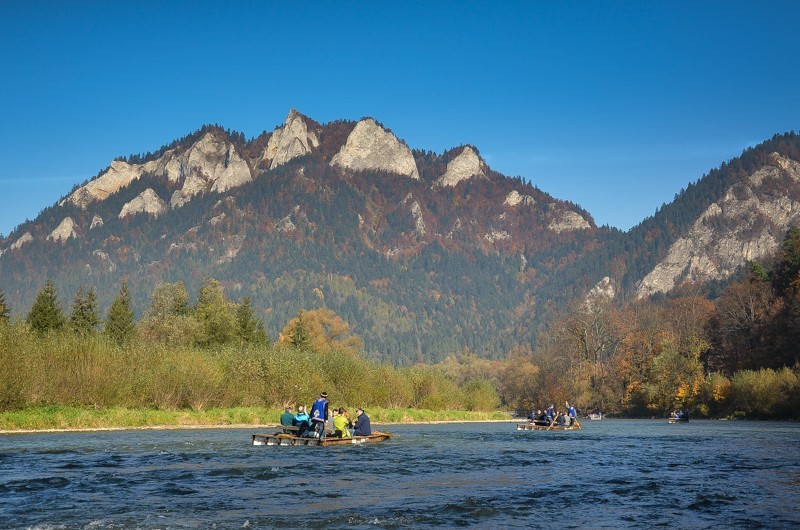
75, 418
66, 370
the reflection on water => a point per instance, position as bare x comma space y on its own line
611, 474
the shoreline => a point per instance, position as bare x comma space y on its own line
213, 426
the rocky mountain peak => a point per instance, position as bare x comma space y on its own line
290, 141
370, 146
465, 166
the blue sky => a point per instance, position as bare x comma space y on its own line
615, 106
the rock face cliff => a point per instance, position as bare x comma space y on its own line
747, 224
292, 140
463, 167
64, 231
370, 146
146, 202
210, 164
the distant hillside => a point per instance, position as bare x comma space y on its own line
424, 254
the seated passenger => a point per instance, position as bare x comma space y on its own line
302, 421
287, 420
363, 427
341, 424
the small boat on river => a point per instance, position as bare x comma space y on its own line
535, 426
595, 416
679, 417
291, 439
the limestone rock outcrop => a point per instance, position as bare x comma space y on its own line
194, 184
24, 238
515, 198
370, 146
290, 141
146, 202
212, 160
748, 223
97, 221
64, 231
568, 220
118, 175
211, 163
463, 167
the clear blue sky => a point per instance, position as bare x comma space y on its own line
615, 106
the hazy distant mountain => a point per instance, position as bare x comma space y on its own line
424, 254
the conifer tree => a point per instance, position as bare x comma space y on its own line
4, 311
296, 332
120, 325
84, 317
250, 329
46, 313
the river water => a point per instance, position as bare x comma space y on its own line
610, 474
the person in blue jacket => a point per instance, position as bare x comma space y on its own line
319, 414
302, 421
362, 428
571, 412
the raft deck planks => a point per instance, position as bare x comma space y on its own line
535, 427
287, 439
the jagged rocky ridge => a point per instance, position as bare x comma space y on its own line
426, 254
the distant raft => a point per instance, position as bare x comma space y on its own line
291, 439
683, 419
535, 426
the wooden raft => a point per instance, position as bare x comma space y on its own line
535, 427
290, 439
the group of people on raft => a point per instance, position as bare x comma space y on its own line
316, 423
552, 416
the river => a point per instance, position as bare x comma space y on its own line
610, 474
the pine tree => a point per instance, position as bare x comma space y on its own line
84, 317
4, 311
46, 313
296, 332
119, 321
250, 329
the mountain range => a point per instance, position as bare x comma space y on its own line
424, 254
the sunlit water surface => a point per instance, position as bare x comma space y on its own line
611, 474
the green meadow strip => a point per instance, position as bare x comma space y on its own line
49, 418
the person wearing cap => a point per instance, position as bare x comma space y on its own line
287, 420
363, 427
319, 414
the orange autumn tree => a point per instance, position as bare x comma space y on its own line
321, 330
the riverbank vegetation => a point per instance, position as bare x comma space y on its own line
212, 362
58, 418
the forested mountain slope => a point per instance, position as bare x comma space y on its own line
424, 254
